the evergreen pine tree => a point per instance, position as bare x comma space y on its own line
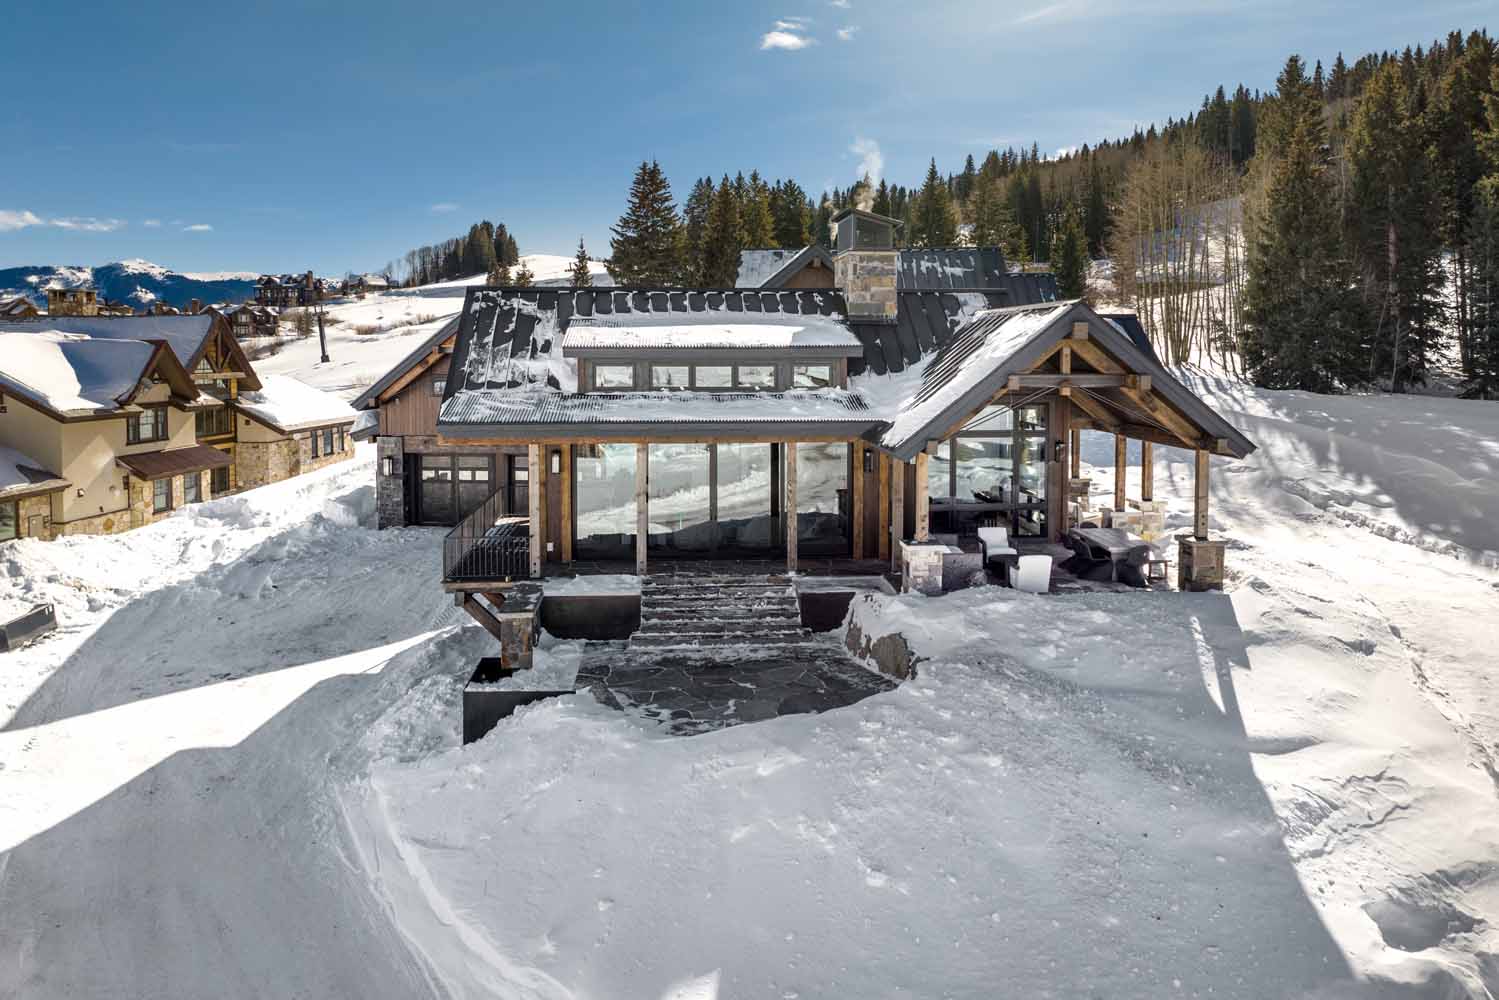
965, 180
934, 221
1301, 314
579, 273
882, 199
695, 229
500, 275
755, 221
524, 278
1481, 276
1070, 258
1394, 221
721, 252
792, 211
993, 222
1096, 223
648, 246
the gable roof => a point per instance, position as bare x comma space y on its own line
70, 375
187, 336
284, 404
977, 362
773, 268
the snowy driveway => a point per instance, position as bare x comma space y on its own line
165, 792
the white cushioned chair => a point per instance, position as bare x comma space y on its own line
1031, 574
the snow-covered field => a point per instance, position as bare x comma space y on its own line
235, 771
368, 336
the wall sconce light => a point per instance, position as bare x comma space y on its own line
80, 494
556, 463
868, 460
1057, 451
387, 466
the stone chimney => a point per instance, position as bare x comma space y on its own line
195, 306
865, 264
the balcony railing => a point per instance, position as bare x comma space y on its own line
488, 545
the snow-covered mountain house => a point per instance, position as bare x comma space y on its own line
72, 301
282, 290
19, 307
26, 495
138, 416
692, 423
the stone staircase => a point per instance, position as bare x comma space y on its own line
716, 650
707, 612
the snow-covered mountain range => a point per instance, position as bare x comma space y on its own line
137, 282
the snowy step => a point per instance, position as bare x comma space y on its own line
777, 626
658, 614
727, 640
716, 593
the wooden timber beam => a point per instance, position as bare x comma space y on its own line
479, 613
1081, 380
1120, 444
1147, 471
857, 485
923, 500
642, 507
566, 488
894, 482
791, 519
1079, 330
889, 502
536, 510
1200, 496
1103, 418
1075, 444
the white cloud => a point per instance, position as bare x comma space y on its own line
840, 4
444, 207
871, 160
11, 220
1064, 151
847, 34
791, 24
198, 227
784, 40
1047, 13
152, 223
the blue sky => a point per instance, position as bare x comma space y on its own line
208, 136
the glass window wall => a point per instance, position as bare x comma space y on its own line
603, 501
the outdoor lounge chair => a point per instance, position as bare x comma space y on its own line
999, 555
1031, 574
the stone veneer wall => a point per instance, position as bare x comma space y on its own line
138, 512
390, 491
30, 507
305, 461
868, 279
260, 463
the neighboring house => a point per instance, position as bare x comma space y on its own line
114, 419
687, 424
26, 496
72, 301
809, 267
19, 307
283, 290
164, 404
420, 480
287, 427
366, 283
249, 319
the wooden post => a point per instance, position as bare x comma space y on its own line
790, 448
1120, 444
642, 507
885, 488
1059, 495
1075, 449
566, 486
713, 483
536, 511
923, 500
1147, 471
857, 500
1200, 497
897, 530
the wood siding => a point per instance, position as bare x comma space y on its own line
414, 408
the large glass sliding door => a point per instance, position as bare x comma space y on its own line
822, 499
604, 501
680, 508
748, 516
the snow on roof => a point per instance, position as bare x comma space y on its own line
718, 330
991, 338
69, 373
185, 335
289, 405
757, 266
536, 405
20, 473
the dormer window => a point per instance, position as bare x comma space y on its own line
714, 377
670, 376
616, 377
757, 377
811, 376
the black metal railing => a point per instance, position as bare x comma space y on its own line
488, 545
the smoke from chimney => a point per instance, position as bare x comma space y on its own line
871, 167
